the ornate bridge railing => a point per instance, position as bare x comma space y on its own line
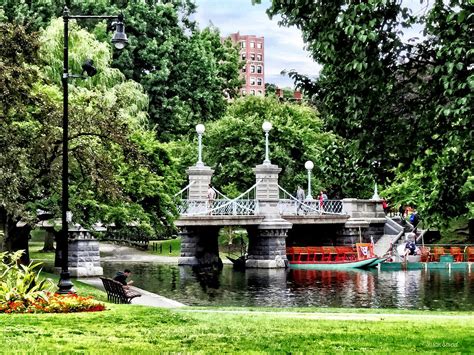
243, 205
218, 207
290, 205
307, 207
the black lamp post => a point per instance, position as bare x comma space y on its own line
119, 40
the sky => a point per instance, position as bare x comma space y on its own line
284, 47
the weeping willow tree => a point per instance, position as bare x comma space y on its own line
119, 172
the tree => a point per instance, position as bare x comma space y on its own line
397, 103
187, 73
26, 115
237, 143
119, 173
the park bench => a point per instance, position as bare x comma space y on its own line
116, 292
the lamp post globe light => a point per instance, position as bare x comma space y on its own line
309, 166
200, 130
119, 40
266, 126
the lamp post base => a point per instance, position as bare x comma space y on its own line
65, 285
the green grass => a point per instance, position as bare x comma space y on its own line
137, 329
36, 244
165, 247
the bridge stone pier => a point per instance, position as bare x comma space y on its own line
267, 243
199, 244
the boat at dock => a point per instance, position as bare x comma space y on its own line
334, 265
332, 257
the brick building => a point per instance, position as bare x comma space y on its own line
252, 52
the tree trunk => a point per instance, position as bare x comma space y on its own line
48, 241
3, 229
16, 238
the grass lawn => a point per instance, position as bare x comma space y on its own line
36, 244
139, 329
162, 247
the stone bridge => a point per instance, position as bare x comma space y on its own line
269, 219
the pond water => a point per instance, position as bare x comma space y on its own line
417, 289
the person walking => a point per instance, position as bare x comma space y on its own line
322, 198
211, 196
300, 198
385, 207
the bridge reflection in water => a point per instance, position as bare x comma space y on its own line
417, 289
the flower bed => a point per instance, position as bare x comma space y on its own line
22, 291
53, 303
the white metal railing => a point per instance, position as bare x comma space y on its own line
242, 205
292, 206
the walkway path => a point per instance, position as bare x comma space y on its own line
121, 253
147, 298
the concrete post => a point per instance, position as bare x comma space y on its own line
83, 253
267, 244
200, 177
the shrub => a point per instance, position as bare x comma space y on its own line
21, 291
20, 283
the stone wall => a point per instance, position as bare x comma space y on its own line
83, 253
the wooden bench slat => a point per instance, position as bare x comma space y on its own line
116, 292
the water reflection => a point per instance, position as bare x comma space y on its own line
416, 289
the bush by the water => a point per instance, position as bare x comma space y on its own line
22, 291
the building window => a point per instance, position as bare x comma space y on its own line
244, 69
244, 56
252, 68
259, 57
244, 92
252, 56
259, 69
252, 44
252, 80
243, 44
259, 45
259, 81
260, 92
252, 92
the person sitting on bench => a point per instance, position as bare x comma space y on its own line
122, 278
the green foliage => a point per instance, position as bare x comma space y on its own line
119, 172
32, 14
28, 125
20, 283
401, 106
238, 143
186, 72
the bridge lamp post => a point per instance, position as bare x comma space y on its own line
266, 126
309, 166
200, 130
119, 40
